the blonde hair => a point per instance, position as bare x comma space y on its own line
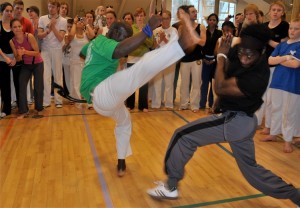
279, 3
139, 11
254, 8
295, 19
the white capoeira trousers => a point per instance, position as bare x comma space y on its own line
52, 64
167, 75
265, 109
186, 70
110, 94
285, 114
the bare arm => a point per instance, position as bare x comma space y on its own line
151, 8
130, 44
13, 48
223, 86
34, 45
89, 31
202, 35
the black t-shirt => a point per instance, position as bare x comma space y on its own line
277, 33
197, 52
5, 37
251, 81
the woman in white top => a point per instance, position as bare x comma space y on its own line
79, 35
162, 36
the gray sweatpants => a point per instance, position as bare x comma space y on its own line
236, 128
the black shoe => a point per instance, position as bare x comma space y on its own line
121, 167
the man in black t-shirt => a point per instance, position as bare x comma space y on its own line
241, 79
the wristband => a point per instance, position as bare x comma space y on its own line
147, 30
221, 55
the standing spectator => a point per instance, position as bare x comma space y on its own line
251, 13
285, 88
177, 67
238, 22
136, 55
64, 10
66, 57
78, 37
7, 59
100, 19
89, 18
52, 29
18, 8
191, 65
128, 17
25, 48
34, 15
162, 36
279, 30
209, 60
111, 17
261, 17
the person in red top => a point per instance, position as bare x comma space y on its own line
18, 8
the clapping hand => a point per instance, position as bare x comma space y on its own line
225, 44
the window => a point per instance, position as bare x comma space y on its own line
226, 8
178, 3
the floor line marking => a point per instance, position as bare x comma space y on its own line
101, 178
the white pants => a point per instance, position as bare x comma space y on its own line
168, 76
52, 64
186, 70
110, 94
75, 78
285, 114
265, 108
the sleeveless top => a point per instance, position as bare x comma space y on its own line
196, 54
5, 37
26, 58
76, 46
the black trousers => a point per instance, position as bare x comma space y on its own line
38, 72
5, 87
143, 97
16, 74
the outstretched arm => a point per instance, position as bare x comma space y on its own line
130, 44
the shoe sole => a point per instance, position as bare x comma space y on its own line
121, 173
163, 197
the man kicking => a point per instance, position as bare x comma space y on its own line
108, 89
241, 79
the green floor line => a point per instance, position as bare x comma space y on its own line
222, 201
203, 204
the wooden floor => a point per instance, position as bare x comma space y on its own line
68, 159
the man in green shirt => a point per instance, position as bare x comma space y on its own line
108, 90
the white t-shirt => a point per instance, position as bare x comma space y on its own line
50, 41
170, 32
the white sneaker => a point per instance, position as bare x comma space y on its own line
162, 192
2, 115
